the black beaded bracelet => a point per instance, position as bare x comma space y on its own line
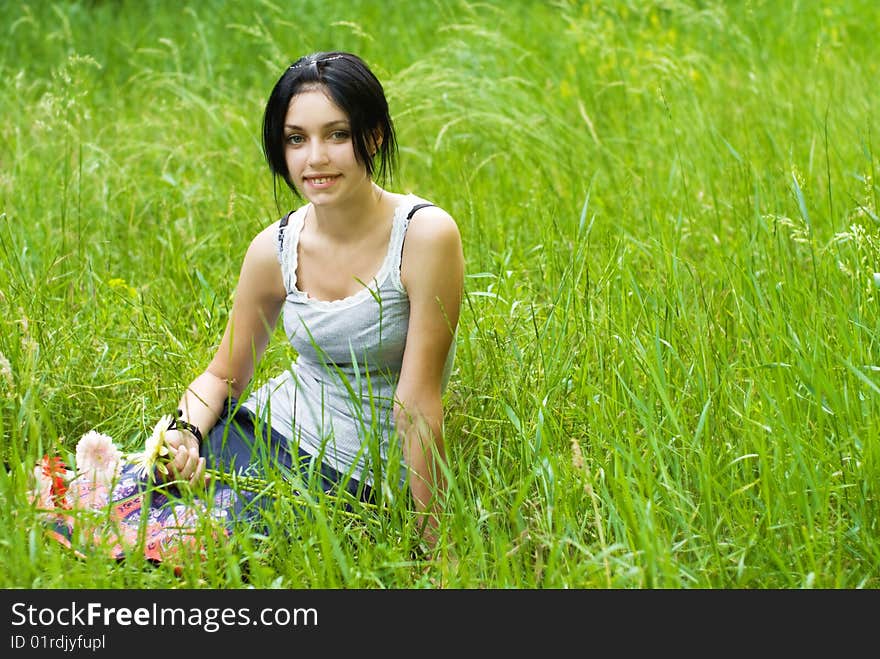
180, 424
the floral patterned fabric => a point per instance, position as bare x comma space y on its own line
135, 514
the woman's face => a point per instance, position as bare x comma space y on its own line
319, 150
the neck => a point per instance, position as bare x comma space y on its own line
355, 217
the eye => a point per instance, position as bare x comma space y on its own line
295, 139
339, 135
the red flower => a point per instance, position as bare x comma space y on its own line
54, 468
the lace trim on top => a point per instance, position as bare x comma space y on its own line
288, 256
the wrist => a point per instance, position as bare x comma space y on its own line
179, 423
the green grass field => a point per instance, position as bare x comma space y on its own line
668, 370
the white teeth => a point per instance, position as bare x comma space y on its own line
320, 181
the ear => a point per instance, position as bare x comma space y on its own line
375, 141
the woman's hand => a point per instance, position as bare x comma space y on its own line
185, 463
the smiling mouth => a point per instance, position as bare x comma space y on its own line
320, 180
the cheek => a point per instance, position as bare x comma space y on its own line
345, 155
293, 158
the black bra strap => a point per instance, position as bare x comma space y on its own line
281, 228
415, 208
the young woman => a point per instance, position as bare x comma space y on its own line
369, 285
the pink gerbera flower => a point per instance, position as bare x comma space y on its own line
98, 458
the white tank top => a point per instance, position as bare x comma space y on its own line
336, 399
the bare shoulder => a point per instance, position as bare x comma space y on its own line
263, 247
261, 269
432, 247
267, 235
431, 227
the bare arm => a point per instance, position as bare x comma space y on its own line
255, 308
433, 272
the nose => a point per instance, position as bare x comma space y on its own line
317, 152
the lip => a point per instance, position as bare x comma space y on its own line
320, 181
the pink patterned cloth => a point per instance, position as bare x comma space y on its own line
135, 515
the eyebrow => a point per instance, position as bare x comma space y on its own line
329, 124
